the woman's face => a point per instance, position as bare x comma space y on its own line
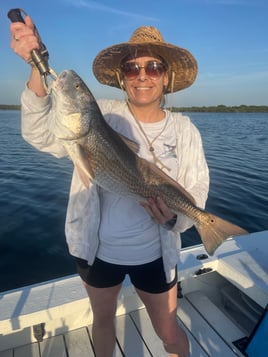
144, 79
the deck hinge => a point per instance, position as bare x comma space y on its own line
179, 290
202, 271
39, 331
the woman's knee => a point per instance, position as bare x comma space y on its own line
103, 302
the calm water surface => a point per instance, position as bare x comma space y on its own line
35, 186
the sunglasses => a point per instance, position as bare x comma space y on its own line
153, 70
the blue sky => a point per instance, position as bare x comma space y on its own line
227, 37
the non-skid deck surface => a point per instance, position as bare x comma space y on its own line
136, 337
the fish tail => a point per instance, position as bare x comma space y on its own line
214, 230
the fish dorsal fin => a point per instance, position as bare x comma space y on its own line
135, 147
144, 165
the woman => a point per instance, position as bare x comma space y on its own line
111, 236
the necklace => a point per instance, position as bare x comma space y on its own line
150, 142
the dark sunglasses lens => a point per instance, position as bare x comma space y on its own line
154, 69
130, 70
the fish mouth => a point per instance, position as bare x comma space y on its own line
60, 81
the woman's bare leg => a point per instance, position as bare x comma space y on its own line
162, 309
104, 303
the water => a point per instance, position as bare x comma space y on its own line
35, 186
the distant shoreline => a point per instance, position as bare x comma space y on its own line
10, 107
204, 109
224, 109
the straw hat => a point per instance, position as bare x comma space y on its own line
146, 40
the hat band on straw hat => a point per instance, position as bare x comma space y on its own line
146, 40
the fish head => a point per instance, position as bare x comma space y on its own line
72, 103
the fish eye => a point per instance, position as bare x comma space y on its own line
76, 86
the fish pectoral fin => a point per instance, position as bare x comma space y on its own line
144, 165
83, 176
82, 163
216, 230
132, 145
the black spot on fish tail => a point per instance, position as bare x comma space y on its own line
215, 230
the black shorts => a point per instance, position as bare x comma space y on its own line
148, 277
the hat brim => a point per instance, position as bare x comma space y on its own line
180, 61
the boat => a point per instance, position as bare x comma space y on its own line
221, 301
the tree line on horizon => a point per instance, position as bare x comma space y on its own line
206, 109
225, 109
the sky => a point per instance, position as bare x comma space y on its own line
228, 38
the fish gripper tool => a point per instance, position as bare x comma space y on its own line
39, 56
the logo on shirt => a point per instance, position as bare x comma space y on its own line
169, 151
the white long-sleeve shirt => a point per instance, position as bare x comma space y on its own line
84, 208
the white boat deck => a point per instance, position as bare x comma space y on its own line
63, 306
136, 338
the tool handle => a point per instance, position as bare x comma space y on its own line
15, 16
